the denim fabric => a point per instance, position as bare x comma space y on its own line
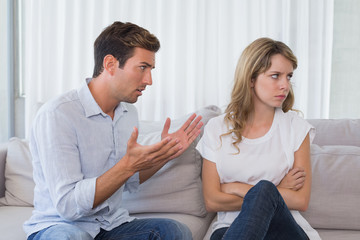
219, 233
61, 232
264, 215
154, 228
138, 229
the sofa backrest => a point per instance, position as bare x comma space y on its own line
336, 131
335, 160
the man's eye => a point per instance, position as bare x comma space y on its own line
142, 67
275, 76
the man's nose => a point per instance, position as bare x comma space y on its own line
148, 78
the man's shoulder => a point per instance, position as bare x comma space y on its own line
64, 100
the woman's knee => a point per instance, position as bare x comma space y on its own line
266, 188
266, 184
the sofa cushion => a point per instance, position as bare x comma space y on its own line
176, 187
335, 234
12, 219
335, 190
336, 131
19, 184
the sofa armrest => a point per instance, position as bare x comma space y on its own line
3, 153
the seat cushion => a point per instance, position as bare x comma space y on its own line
333, 234
12, 219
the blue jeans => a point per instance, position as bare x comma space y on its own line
138, 229
264, 215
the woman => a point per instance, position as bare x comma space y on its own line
256, 154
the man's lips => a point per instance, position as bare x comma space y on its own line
139, 90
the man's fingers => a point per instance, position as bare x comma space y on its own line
164, 149
186, 126
133, 137
194, 136
166, 128
196, 124
150, 149
188, 121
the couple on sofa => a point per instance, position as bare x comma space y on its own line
256, 155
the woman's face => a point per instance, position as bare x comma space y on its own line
272, 87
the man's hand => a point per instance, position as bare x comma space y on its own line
294, 179
139, 157
186, 134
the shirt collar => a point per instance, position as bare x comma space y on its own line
89, 104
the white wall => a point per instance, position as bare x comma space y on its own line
345, 82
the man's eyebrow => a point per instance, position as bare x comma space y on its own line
148, 64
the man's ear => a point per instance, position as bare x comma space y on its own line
109, 64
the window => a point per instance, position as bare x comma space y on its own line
6, 70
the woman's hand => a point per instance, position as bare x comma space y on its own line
235, 188
294, 179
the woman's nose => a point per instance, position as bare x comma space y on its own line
284, 83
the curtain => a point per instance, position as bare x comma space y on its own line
201, 41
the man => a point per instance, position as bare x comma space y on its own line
85, 151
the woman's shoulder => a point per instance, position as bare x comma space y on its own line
292, 116
293, 123
216, 125
218, 120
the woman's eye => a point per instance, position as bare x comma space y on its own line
289, 77
275, 76
142, 67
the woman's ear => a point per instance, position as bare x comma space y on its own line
109, 64
252, 83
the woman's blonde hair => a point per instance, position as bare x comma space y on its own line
255, 59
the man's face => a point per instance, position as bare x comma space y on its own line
129, 82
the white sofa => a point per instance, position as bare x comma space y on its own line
175, 191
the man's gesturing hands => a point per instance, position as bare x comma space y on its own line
186, 134
140, 157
